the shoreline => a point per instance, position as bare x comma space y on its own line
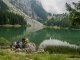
11, 25
57, 27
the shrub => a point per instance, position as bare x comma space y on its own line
3, 41
62, 50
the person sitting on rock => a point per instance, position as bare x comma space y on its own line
23, 43
17, 44
27, 40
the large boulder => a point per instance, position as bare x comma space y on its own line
29, 47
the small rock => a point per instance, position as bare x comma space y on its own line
28, 59
40, 50
18, 50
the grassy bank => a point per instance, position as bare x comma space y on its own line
62, 50
51, 53
7, 25
58, 27
6, 55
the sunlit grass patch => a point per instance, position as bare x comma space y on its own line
6, 55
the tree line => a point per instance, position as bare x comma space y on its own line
11, 18
72, 19
3, 6
62, 20
57, 20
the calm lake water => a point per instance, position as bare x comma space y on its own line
43, 36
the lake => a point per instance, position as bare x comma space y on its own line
42, 36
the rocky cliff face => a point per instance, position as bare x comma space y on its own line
29, 20
29, 7
23, 5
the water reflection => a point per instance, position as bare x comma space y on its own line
55, 42
11, 32
16, 33
71, 36
37, 35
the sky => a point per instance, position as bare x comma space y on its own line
56, 6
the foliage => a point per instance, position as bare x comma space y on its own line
58, 20
3, 41
6, 55
62, 50
11, 18
8, 17
39, 11
74, 16
46, 56
49, 14
3, 6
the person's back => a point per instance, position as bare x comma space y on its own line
23, 40
23, 43
17, 44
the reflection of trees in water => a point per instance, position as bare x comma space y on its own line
10, 32
37, 36
71, 36
15, 33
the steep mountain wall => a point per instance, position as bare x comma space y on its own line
28, 19
32, 8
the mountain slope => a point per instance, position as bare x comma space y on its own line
3, 6
32, 8
28, 19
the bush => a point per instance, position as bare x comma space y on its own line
62, 50
3, 41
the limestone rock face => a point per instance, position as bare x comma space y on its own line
28, 7
24, 5
23, 8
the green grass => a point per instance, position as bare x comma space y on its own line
49, 57
51, 53
62, 50
3, 41
6, 55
